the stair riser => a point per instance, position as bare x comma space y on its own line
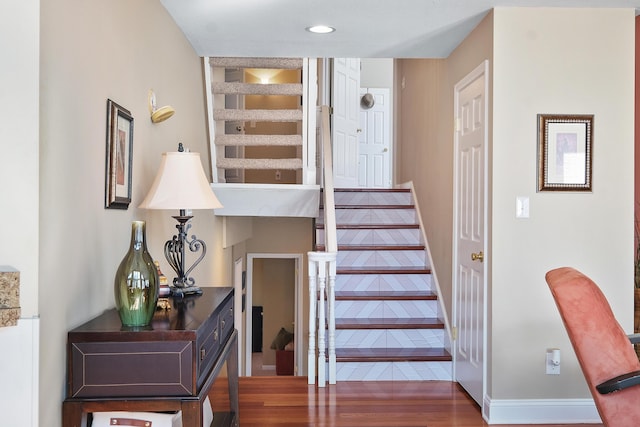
379, 259
372, 198
387, 352
394, 371
389, 338
386, 309
373, 216
374, 237
383, 282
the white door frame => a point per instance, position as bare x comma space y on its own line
298, 310
478, 72
237, 313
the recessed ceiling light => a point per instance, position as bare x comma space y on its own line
320, 29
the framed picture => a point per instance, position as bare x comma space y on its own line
565, 146
118, 157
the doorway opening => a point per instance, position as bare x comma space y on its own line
361, 93
272, 316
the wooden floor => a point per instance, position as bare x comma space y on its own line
289, 401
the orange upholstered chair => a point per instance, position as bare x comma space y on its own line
607, 358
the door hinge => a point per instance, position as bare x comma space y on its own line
454, 333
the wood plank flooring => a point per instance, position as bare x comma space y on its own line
289, 402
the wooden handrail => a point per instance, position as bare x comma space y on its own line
322, 274
329, 200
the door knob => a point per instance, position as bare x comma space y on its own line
385, 150
358, 130
477, 256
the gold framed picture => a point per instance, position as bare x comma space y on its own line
118, 156
565, 151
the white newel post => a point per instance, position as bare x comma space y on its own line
313, 298
322, 347
332, 318
322, 278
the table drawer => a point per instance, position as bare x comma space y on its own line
130, 369
226, 319
208, 347
217, 330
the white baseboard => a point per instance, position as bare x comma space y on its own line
540, 411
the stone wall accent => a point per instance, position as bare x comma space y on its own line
9, 296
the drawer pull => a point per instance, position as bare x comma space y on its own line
203, 353
129, 422
215, 335
222, 324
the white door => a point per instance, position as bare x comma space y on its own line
345, 89
375, 140
470, 103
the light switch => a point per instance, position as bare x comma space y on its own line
522, 207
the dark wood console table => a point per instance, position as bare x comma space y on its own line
169, 365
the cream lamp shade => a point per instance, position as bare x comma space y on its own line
180, 184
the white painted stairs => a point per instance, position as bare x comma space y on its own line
388, 321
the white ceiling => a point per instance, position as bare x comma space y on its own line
365, 28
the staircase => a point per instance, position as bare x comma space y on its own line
257, 108
388, 322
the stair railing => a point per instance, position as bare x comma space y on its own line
322, 275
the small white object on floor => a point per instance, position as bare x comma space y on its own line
148, 419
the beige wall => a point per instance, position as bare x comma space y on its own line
425, 150
92, 51
541, 61
376, 73
555, 61
19, 32
19, 186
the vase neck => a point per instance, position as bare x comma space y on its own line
138, 236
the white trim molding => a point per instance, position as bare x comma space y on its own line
290, 200
540, 411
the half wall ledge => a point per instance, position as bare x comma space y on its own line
268, 200
9, 296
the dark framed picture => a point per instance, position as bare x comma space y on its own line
565, 147
118, 157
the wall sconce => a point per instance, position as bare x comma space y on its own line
159, 114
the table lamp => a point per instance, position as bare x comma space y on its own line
182, 184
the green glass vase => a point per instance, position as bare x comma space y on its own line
136, 282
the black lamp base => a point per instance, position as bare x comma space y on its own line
187, 291
174, 251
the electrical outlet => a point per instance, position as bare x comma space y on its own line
553, 361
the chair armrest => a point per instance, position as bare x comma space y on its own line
619, 383
634, 338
